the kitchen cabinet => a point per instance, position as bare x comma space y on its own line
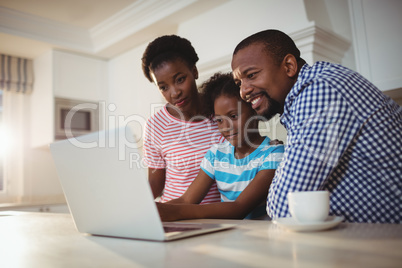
59, 74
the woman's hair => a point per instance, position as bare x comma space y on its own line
219, 84
165, 49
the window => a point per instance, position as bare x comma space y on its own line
1, 134
16, 83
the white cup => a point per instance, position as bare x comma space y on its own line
309, 206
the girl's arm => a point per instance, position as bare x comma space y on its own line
197, 190
252, 196
156, 178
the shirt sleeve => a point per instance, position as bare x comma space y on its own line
320, 132
207, 163
152, 147
273, 157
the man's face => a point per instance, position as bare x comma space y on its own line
262, 82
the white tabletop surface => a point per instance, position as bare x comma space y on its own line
51, 240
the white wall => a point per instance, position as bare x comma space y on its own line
79, 77
378, 40
42, 116
132, 94
217, 32
40, 181
335, 16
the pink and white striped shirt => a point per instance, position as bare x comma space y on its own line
178, 147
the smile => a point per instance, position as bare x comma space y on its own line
228, 137
255, 102
181, 102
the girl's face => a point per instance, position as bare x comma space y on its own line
176, 81
235, 120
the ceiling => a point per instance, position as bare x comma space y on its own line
81, 13
103, 28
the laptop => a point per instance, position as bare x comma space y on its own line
107, 191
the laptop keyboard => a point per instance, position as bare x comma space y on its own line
170, 229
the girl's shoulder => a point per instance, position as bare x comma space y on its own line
224, 147
267, 148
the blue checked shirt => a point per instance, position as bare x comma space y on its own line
344, 136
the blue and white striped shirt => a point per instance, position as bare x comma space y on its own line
344, 136
232, 175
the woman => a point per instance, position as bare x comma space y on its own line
178, 136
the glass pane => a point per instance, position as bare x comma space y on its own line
81, 120
1, 156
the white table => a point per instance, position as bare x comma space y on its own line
51, 240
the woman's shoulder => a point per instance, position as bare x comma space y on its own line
161, 117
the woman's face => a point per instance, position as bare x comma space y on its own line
235, 119
176, 82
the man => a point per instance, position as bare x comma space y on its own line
344, 135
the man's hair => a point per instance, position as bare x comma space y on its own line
219, 84
165, 49
277, 44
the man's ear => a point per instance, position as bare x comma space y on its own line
290, 64
195, 72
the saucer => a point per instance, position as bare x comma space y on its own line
293, 225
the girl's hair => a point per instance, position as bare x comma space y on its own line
219, 84
167, 48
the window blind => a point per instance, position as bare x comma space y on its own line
16, 74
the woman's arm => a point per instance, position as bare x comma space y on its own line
197, 190
156, 178
252, 196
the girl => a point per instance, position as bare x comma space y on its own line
177, 137
242, 167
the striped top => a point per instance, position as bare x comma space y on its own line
178, 147
233, 175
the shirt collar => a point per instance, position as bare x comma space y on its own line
285, 117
